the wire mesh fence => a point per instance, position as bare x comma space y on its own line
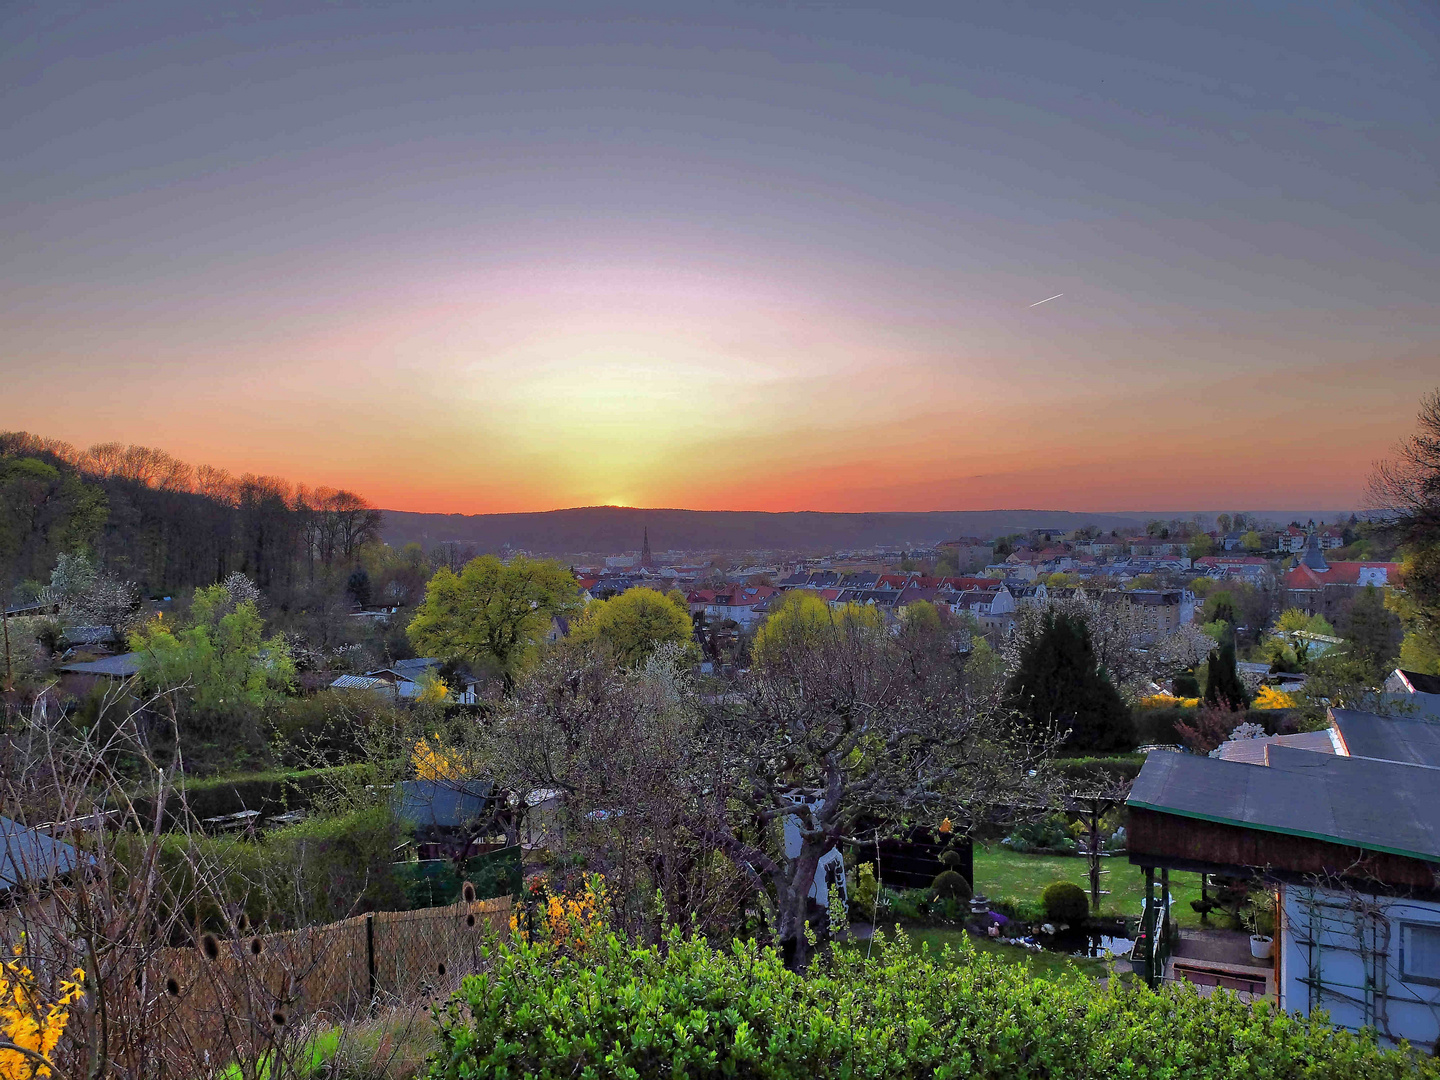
229, 998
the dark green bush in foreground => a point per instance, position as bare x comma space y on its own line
690, 1011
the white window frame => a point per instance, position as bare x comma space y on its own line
1410, 977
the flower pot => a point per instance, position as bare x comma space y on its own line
1260, 946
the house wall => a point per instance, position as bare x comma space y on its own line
1341, 951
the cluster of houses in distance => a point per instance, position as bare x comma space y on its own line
992, 583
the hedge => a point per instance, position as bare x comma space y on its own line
269, 792
686, 1010
316, 871
1080, 771
435, 882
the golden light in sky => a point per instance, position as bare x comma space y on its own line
468, 264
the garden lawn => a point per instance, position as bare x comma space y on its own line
1000, 872
1042, 964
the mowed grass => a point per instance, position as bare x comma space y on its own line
1000, 872
1042, 964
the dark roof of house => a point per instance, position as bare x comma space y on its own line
415, 668
89, 635
1424, 684
444, 804
1314, 558
28, 853
1372, 805
117, 667
1406, 739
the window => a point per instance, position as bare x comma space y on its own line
1420, 953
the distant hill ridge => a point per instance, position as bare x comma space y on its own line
614, 529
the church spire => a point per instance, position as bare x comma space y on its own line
646, 559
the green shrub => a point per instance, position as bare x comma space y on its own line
685, 1009
1051, 833
1022, 909
951, 884
911, 904
436, 882
864, 892
1092, 771
314, 872
1066, 902
1156, 727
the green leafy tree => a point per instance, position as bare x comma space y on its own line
1200, 545
493, 613
637, 622
1058, 683
1252, 541
803, 620
44, 510
1220, 607
1417, 607
1372, 633
220, 663
1292, 619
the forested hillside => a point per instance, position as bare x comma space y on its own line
163, 523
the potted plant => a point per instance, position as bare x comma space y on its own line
1261, 924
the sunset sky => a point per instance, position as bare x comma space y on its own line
468, 257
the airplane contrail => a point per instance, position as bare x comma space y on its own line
1047, 299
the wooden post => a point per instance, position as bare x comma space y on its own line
370, 959
1095, 856
1147, 925
9, 673
1165, 899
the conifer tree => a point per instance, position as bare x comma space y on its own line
1223, 687
1058, 681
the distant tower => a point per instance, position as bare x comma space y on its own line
646, 559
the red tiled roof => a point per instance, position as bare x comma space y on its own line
1340, 573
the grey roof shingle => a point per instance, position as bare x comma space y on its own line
1408, 739
117, 667
26, 853
1372, 805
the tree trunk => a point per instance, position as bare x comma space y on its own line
792, 901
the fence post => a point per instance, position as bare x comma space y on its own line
370, 958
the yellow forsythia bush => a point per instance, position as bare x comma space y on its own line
1270, 698
1168, 701
436, 761
29, 1023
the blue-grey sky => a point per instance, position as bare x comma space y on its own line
463, 257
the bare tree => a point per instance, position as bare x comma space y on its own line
1407, 486
840, 731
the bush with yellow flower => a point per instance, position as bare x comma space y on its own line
31, 1027
574, 922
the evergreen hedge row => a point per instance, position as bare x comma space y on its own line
686, 1010
268, 792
